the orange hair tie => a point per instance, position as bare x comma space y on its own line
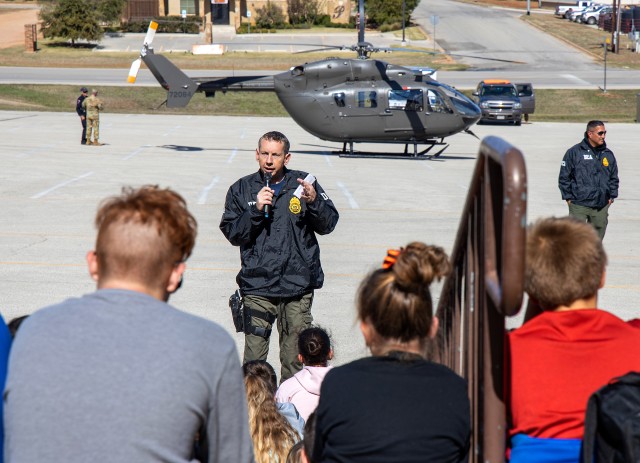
390, 259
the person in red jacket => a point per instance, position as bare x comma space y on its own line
570, 348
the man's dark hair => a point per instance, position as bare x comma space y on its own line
276, 136
593, 124
15, 323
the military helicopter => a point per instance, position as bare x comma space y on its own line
343, 100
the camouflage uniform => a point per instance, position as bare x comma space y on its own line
93, 106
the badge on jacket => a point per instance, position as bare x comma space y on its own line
605, 162
294, 205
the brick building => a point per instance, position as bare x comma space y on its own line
227, 12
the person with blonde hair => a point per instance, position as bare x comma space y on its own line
395, 405
272, 434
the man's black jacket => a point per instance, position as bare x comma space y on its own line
588, 176
280, 256
79, 109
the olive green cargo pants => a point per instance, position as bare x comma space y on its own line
599, 218
293, 315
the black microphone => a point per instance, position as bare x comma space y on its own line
267, 207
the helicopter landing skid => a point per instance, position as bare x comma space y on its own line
423, 155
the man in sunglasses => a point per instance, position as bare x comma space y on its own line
588, 178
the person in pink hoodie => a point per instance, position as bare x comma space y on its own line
303, 388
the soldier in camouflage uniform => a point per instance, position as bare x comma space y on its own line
93, 106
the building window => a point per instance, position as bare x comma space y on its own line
188, 5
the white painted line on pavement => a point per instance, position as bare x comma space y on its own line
135, 152
345, 191
205, 192
60, 185
576, 79
327, 157
243, 134
232, 155
34, 151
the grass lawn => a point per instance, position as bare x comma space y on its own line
551, 105
59, 54
588, 38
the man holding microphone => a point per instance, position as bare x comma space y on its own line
274, 215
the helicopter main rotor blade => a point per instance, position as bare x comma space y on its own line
412, 50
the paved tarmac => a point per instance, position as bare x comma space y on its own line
50, 187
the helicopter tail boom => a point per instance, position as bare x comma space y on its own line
180, 87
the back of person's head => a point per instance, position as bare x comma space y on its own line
565, 261
309, 437
295, 453
314, 345
271, 433
396, 299
142, 234
261, 369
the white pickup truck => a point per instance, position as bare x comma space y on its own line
566, 10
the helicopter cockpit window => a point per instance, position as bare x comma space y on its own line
436, 103
407, 100
367, 99
339, 99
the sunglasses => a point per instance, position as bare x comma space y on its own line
601, 133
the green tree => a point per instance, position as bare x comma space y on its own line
303, 11
72, 20
109, 11
269, 16
381, 12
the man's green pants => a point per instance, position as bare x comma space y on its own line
293, 315
599, 218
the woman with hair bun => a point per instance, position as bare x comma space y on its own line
395, 405
303, 388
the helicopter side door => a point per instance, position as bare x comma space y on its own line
404, 114
358, 112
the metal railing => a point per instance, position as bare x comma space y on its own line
486, 286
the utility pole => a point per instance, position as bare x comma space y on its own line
618, 21
604, 89
614, 26
404, 42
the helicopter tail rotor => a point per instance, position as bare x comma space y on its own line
148, 39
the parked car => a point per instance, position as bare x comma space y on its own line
527, 99
591, 16
499, 101
578, 12
566, 10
